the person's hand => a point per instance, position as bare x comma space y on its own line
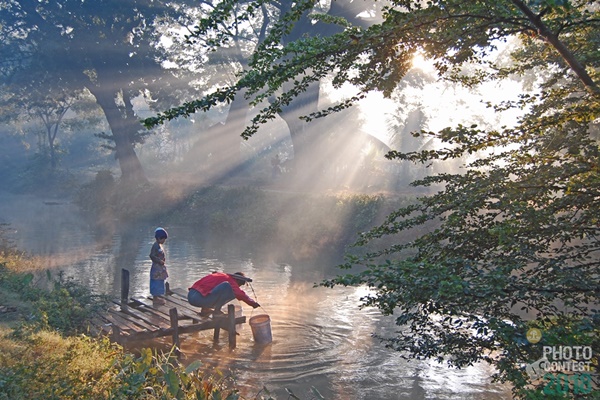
255, 305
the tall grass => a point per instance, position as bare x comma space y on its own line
46, 365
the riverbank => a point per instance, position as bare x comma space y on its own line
46, 353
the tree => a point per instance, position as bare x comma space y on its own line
232, 45
111, 48
50, 109
511, 243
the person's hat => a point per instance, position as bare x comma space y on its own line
160, 233
240, 276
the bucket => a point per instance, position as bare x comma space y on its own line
261, 328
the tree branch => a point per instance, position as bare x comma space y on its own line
566, 54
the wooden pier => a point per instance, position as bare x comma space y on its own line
139, 318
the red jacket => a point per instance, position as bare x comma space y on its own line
206, 285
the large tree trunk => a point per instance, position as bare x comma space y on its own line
123, 125
305, 135
218, 147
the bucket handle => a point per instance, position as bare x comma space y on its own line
256, 299
252, 312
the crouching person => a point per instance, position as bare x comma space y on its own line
214, 290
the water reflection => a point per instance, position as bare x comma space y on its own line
320, 338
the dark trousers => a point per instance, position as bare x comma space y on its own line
221, 294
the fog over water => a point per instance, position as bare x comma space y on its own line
320, 337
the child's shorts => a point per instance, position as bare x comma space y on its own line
157, 287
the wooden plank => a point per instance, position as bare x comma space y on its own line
101, 318
117, 324
181, 301
184, 307
180, 292
149, 335
134, 318
124, 322
207, 325
158, 320
164, 308
148, 318
99, 325
146, 306
114, 321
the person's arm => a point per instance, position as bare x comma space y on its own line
155, 255
242, 296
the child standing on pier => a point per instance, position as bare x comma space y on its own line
158, 271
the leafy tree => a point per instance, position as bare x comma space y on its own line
49, 109
231, 44
510, 243
110, 48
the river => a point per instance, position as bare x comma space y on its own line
321, 338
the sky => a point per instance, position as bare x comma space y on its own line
444, 104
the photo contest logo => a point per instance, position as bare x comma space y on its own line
564, 368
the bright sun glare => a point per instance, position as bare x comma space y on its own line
420, 62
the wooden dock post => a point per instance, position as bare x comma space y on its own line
227, 324
175, 327
124, 287
231, 326
216, 333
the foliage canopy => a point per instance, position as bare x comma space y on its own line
512, 241
55, 51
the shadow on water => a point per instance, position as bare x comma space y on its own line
320, 337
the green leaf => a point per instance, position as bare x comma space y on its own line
193, 366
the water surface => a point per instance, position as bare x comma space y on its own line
320, 337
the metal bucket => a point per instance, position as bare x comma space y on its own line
261, 328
